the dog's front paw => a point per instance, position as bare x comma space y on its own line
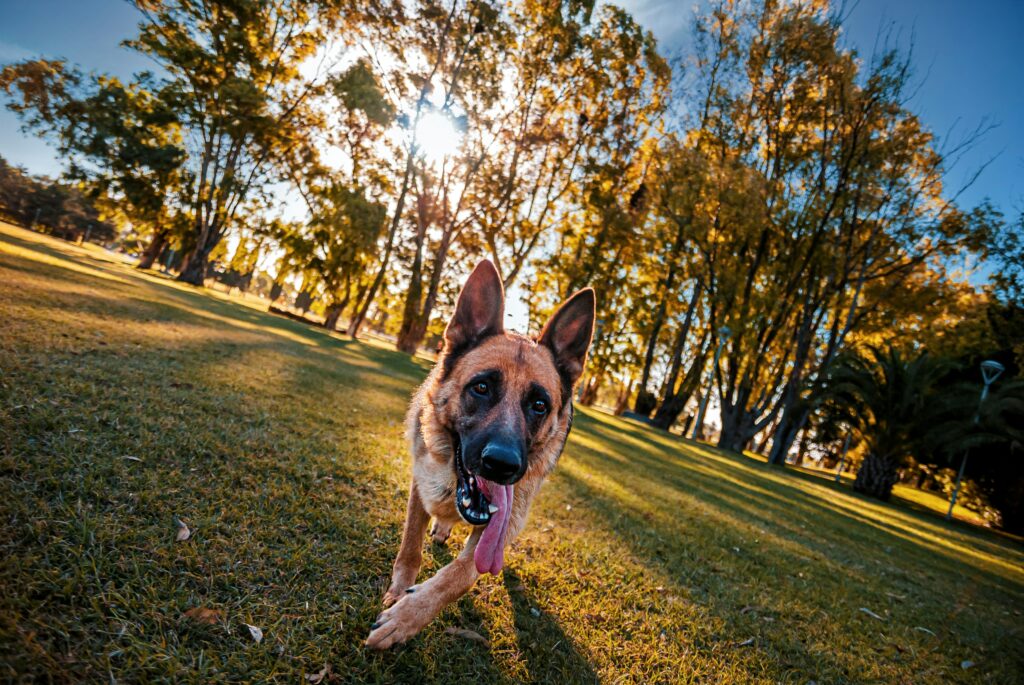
399, 623
396, 592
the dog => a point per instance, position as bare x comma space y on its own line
485, 429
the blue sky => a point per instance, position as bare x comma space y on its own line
969, 61
968, 55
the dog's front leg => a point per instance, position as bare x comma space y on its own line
410, 554
423, 602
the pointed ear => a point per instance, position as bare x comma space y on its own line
480, 311
568, 335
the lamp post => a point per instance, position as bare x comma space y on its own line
723, 335
990, 371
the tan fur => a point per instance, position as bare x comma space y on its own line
432, 416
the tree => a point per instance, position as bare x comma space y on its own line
120, 140
346, 201
887, 400
234, 75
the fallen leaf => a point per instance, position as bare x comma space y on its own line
256, 633
467, 634
317, 678
535, 611
746, 643
130, 458
204, 615
871, 613
924, 630
748, 609
183, 532
966, 664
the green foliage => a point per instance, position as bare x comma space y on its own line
358, 90
122, 140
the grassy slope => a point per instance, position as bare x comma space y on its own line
648, 559
921, 499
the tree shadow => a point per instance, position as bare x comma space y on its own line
551, 656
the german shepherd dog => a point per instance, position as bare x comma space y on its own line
485, 429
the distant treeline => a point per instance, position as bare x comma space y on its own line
49, 206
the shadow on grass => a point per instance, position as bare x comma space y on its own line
778, 504
190, 304
551, 656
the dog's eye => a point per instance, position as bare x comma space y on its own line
480, 388
539, 407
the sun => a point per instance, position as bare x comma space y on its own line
437, 136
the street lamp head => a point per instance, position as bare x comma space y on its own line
724, 332
990, 371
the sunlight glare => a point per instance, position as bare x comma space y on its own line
437, 136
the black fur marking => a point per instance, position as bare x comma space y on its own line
452, 356
566, 383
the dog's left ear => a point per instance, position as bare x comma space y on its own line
569, 332
480, 311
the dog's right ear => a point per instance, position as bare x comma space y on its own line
480, 311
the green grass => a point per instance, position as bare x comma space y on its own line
647, 558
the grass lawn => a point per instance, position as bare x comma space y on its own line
128, 401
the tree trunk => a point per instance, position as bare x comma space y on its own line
675, 400
645, 400
153, 250
784, 436
589, 394
410, 333
623, 400
194, 269
360, 315
737, 423
275, 291
876, 476
332, 315
670, 410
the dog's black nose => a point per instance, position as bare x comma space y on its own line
500, 462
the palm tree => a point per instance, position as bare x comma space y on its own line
885, 399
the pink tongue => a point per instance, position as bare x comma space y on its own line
490, 548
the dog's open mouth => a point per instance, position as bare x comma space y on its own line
481, 502
473, 505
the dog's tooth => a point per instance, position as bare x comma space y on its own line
466, 502
472, 480
493, 508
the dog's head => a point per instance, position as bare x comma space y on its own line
507, 399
